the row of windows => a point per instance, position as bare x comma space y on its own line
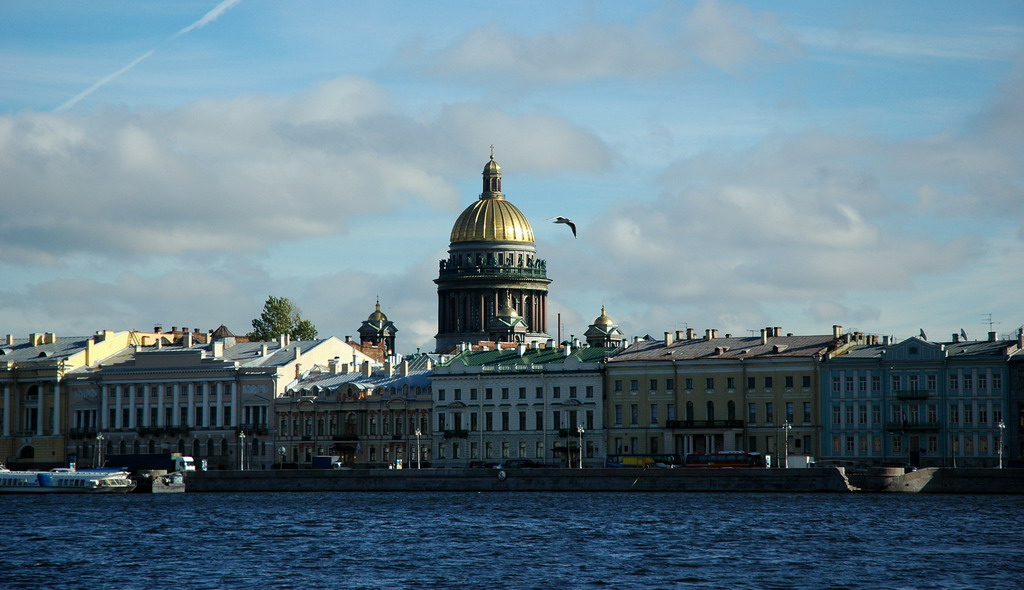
869, 444
913, 383
851, 414
202, 416
556, 393
768, 383
455, 450
506, 420
198, 389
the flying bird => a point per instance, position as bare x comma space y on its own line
568, 222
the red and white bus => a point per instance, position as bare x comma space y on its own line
726, 459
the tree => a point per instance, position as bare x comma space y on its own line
280, 316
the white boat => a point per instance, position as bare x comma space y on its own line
65, 480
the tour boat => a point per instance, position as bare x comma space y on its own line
65, 480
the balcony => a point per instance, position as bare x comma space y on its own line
703, 424
909, 394
912, 426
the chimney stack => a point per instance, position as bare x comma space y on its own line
764, 335
668, 338
690, 333
991, 336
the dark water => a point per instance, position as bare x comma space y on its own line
513, 540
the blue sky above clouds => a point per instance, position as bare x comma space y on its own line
730, 165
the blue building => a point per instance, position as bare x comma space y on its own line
926, 403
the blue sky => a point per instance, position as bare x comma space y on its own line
730, 165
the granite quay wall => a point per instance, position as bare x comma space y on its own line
825, 479
936, 480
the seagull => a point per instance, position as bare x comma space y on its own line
566, 221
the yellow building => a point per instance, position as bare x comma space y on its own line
686, 394
33, 403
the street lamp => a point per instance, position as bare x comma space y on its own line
241, 450
786, 427
418, 451
579, 429
281, 453
99, 450
999, 443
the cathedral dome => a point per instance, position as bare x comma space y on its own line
377, 315
492, 218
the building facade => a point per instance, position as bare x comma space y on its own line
930, 404
688, 394
525, 402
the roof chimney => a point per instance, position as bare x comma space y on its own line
991, 336
403, 369
764, 335
778, 330
367, 371
680, 335
332, 366
10, 339
837, 331
521, 349
956, 337
389, 370
690, 333
707, 334
668, 338
218, 349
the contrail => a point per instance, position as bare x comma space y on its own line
207, 18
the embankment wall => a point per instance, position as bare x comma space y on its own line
534, 480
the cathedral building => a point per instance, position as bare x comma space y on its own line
492, 286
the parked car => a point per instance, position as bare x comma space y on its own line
480, 464
517, 463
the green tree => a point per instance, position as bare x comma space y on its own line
280, 316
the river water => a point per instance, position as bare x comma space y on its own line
511, 540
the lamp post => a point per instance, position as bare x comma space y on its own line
418, 434
99, 450
786, 427
281, 453
241, 450
579, 429
999, 443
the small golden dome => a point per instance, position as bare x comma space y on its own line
603, 320
492, 167
507, 311
377, 315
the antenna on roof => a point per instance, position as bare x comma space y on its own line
989, 320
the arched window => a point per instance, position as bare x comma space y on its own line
689, 411
151, 447
732, 410
196, 447
711, 411
136, 447
211, 448
181, 446
224, 447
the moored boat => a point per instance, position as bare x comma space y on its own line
65, 480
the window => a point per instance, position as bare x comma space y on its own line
849, 415
862, 384
618, 414
572, 392
837, 415
876, 383
474, 422
670, 412
895, 383
849, 384
730, 383
522, 393
897, 443
522, 420
504, 421
670, 384
711, 411
750, 383
982, 414
930, 380
634, 385
689, 383
440, 423
806, 382
767, 383
709, 383
968, 414
862, 414
752, 444
488, 393
837, 445
472, 393
807, 412
914, 383
789, 412
789, 382
654, 413
489, 421
837, 386
954, 383
556, 392
540, 393
556, 419
539, 418
876, 414
752, 413
982, 382
997, 382
457, 395
769, 412
933, 413
968, 382
617, 386
849, 444
634, 414
440, 395
654, 385
590, 391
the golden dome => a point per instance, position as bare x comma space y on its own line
603, 320
377, 315
507, 311
492, 218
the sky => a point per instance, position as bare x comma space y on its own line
728, 165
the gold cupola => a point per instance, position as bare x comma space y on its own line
492, 218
